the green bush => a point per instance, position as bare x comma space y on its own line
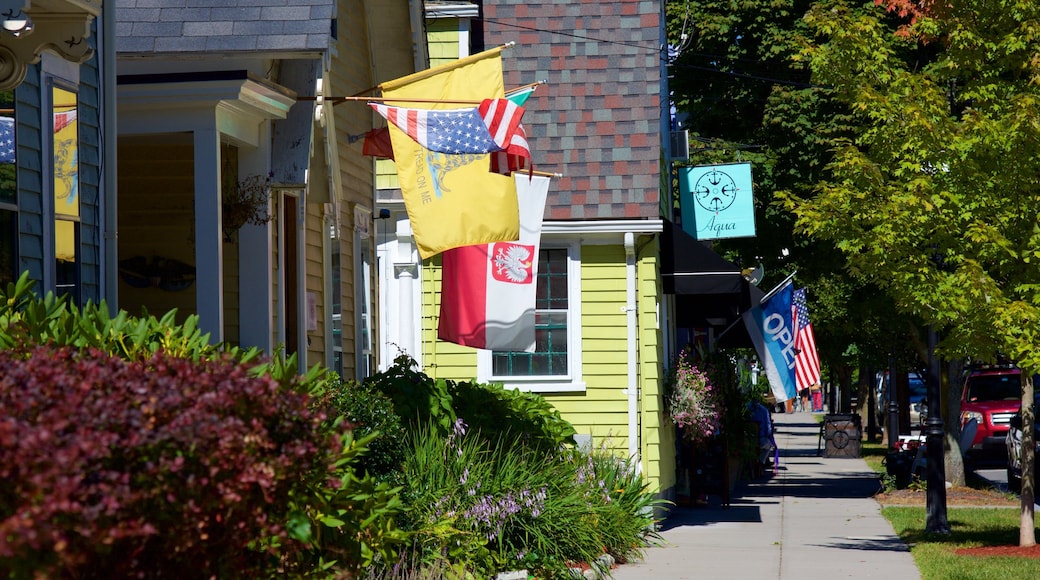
369, 412
486, 408
27, 321
348, 526
417, 398
492, 409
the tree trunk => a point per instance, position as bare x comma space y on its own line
1026, 528
952, 423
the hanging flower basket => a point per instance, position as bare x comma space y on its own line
693, 402
246, 202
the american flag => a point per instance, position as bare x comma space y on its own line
6, 140
516, 157
494, 126
806, 360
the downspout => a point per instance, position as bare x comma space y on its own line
110, 278
633, 375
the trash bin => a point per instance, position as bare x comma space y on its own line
842, 434
898, 464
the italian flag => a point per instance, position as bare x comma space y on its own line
488, 290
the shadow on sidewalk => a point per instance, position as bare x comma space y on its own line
835, 485
713, 513
893, 544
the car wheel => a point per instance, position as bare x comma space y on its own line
1014, 482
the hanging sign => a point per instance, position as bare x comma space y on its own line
717, 201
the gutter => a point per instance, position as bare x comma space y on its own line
632, 390
110, 137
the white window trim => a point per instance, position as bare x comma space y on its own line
573, 381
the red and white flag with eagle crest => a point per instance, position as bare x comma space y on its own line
488, 290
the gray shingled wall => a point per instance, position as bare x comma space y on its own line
191, 26
598, 120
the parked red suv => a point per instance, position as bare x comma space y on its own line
992, 396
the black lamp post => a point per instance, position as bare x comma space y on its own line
892, 423
935, 500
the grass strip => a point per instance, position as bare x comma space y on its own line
934, 554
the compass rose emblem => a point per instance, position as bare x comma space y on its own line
715, 191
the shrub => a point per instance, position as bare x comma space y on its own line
369, 412
159, 468
486, 408
417, 398
26, 321
492, 409
349, 526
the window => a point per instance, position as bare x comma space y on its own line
65, 161
555, 364
8, 192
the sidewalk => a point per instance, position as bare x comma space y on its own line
815, 519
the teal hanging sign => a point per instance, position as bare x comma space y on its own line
716, 201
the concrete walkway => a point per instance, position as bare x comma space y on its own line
815, 519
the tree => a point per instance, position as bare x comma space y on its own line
936, 200
744, 98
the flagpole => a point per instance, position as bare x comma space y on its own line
527, 86
546, 174
359, 96
779, 286
337, 100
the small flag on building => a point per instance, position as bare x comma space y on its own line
6, 140
489, 128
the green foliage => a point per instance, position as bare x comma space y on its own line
370, 414
416, 397
26, 320
351, 524
493, 409
487, 408
935, 201
489, 506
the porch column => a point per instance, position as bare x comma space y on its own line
209, 238
255, 260
406, 269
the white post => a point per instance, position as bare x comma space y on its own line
405, 269
255, 261
209, 238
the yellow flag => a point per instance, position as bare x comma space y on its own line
453, 200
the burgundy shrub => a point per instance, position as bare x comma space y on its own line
151, 469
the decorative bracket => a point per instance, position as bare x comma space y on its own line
29, 27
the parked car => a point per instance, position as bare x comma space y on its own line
918, 399
992, 395
1013, 442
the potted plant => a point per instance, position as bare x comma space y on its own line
692, 402
245, 202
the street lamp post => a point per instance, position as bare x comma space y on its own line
892, 423
935, 500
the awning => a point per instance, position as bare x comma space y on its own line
690, 267
709, 290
